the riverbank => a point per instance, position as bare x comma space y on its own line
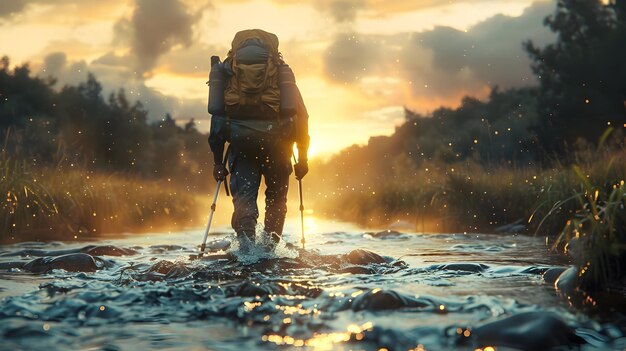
583, 203
46, 203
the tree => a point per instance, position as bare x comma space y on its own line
583, 74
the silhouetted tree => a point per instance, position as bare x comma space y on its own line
582, 74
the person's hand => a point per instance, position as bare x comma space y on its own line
301, 169
219, 172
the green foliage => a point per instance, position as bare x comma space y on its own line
596, 234
582, 74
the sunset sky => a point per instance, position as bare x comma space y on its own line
357, 63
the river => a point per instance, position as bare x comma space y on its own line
350, 289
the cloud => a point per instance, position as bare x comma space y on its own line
155, 28
441, 65
194, 60
491, 51
344, 10
66, 10
9, 7
350, 56
67, 73
113, 72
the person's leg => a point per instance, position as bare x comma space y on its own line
245, 180
276, 168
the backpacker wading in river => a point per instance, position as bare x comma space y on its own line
257, 108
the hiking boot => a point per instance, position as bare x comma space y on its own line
269, 241
246, 240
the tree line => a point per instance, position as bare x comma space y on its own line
77, 126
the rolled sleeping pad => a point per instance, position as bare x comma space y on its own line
288, 91
217, 85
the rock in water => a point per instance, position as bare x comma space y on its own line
552, 274
377, 299
463, 267
360, 256
535, 330
567, 281
75, 262
388, 234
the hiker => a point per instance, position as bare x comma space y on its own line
257, 108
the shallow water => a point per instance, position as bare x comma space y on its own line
407, 291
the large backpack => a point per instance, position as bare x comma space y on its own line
252, 92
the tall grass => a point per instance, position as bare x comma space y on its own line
72, 203
581, 206
469, 197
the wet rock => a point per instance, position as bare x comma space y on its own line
363, 257
388, 234
250, 289
178, 270
552, 274
76, 262
107, 250
377, 299
162, 267
567, 281
535, 330
462, 267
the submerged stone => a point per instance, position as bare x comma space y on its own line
362, 257
377, 299
465, 267
388, 234
76, 262
535, 330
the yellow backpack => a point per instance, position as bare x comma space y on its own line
252, 92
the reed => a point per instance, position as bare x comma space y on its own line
52, 203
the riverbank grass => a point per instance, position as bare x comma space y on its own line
44, 203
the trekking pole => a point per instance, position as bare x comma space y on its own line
301, 211
208, 226
301, 207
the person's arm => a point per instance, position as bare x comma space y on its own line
217, 140
302, 129
302, 138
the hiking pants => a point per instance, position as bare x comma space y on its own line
246, 168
